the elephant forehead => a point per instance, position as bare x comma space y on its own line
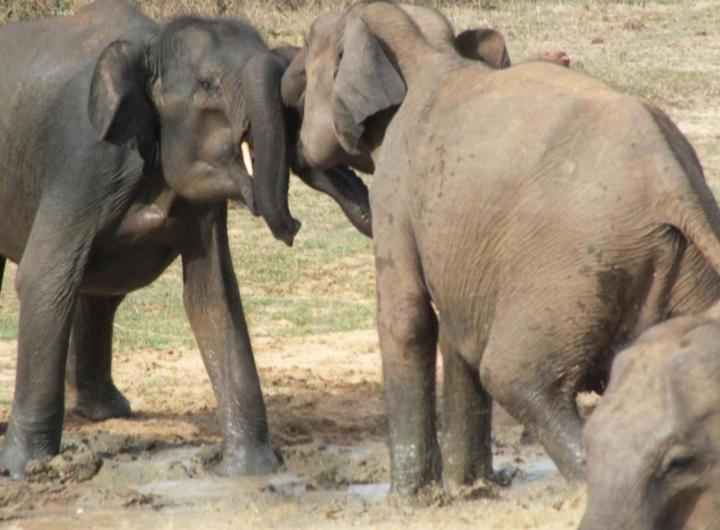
637, 406
325, 28
192, 39
184, 34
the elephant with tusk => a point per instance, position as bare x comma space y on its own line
121, 141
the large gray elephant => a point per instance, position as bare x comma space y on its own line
653, 442
529, 219
120, 143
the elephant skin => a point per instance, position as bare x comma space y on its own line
530, 220
653, 443
119, 142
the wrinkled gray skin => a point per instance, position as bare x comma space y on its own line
545, 216
653, 443
119, 146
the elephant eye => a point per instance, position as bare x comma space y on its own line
337, 65
677, 459
208, 84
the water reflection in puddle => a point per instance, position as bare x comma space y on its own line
369, 492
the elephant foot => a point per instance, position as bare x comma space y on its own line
12, 461
418, 476
19, 448
459, 486
429, 494
99, 404
250, 459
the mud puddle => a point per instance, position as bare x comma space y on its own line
172, 487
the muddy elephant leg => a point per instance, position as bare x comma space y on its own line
48, 278
536, 380
466, 421
408, 329
212, 302
89, 364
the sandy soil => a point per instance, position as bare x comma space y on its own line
325, 406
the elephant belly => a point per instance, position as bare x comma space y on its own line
122, 271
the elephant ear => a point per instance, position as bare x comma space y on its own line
366, 83
118, 105
483, 44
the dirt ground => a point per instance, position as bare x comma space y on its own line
325, 406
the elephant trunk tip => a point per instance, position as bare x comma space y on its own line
288, 234
261, 78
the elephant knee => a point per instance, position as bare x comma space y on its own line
498, 378
411, 324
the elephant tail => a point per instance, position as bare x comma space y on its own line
695, 213
703, 230
690, 206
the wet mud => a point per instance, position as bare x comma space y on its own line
326, 411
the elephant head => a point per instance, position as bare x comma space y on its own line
479, 44
339, 182
189, 97
349, 88
653, 443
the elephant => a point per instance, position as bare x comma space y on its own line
121, 142
653, 442
530, 220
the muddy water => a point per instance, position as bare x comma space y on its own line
320, 484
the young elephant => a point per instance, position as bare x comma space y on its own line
653, 443
545, 216
120, 145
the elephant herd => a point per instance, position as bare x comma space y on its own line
534, 223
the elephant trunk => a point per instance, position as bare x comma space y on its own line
343, 185
260, 80
617, 501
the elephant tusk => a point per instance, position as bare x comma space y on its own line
247, 159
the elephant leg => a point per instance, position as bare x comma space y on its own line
466, 421
212, 302
89, 364
535, 383
408, 329
48, 278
